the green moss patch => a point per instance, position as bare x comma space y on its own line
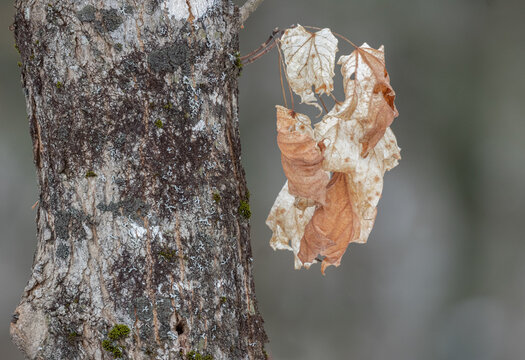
238, 62
117, 333
193, 355
168, 254
244, 209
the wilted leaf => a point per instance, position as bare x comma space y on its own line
367, 87
353, 141
300, 156
287, 219
310, 61
343, 154
333, 226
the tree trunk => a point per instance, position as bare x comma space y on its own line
143, 215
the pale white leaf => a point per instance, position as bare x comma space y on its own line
287, 219
310, 62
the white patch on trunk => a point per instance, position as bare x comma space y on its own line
201, 125
179, 8
137, 231
136, 234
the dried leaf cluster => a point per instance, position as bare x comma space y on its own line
335, 169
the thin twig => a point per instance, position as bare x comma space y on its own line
260, 48
248, 8
264, 48
251, 57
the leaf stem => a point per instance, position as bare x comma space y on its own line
285, 73
322, 102
281, 76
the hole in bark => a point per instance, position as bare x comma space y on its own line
14, 318
180, 327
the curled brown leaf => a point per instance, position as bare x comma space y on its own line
301, 158
333, 226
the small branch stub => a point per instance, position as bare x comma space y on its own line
248, 8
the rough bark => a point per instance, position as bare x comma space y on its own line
142, 217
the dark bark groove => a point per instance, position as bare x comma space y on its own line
133, 116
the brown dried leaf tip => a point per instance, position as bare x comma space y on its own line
371, 89
315, 215
332, 226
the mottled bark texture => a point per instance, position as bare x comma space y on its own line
142, 219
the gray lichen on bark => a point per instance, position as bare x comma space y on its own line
129, 229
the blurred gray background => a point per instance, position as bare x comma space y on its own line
443, 275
